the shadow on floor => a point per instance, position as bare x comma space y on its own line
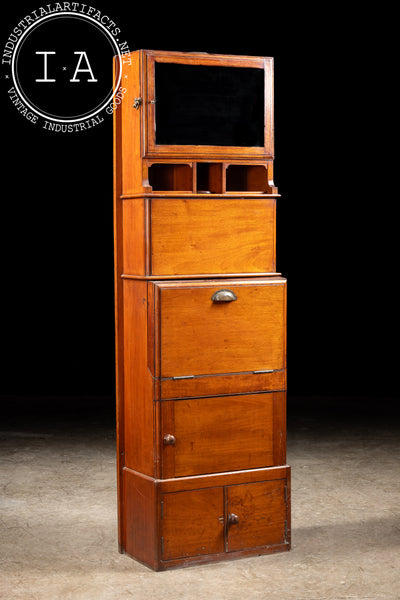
347, 538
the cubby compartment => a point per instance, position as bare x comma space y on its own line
171, 177
209, 178
246, 178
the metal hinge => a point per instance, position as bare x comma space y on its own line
137, 103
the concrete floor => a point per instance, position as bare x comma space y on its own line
58, 510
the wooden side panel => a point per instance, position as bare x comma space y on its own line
289, 507
199, 336
126, 176
212, 236
134, 230
140, 453
118, 304
132, 176
192, 523
279, 428
140, 518
269, 106
260, 509
219, 434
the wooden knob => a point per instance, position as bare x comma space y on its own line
233, 519
169, 439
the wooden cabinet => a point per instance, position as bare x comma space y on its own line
200, 312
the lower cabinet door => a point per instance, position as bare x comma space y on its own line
210, 435
256, 515
192, 523
224, 519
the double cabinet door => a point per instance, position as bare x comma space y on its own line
224, 519
216, 341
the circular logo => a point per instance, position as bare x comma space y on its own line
61, 66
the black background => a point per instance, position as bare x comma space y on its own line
337, 219
61, 97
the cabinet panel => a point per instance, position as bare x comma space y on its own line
134, 246
210, 385
192, 523
212, 236
200, 336
138, 428
256, 515
220, 434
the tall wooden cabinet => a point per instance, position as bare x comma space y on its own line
200, 312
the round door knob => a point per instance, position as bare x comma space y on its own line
233, 519
169, 439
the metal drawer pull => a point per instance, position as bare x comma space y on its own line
169, 440
233, 519
223, 296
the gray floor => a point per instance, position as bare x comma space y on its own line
58, 510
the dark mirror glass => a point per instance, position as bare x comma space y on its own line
209, 105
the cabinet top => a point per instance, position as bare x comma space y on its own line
201, 56
193, 106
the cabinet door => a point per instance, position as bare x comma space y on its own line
220, 327
209, 435
212, 236
192, 523
256, 515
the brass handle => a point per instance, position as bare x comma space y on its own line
224, 296
233, 519
169, 440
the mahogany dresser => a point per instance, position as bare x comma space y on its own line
200, 311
